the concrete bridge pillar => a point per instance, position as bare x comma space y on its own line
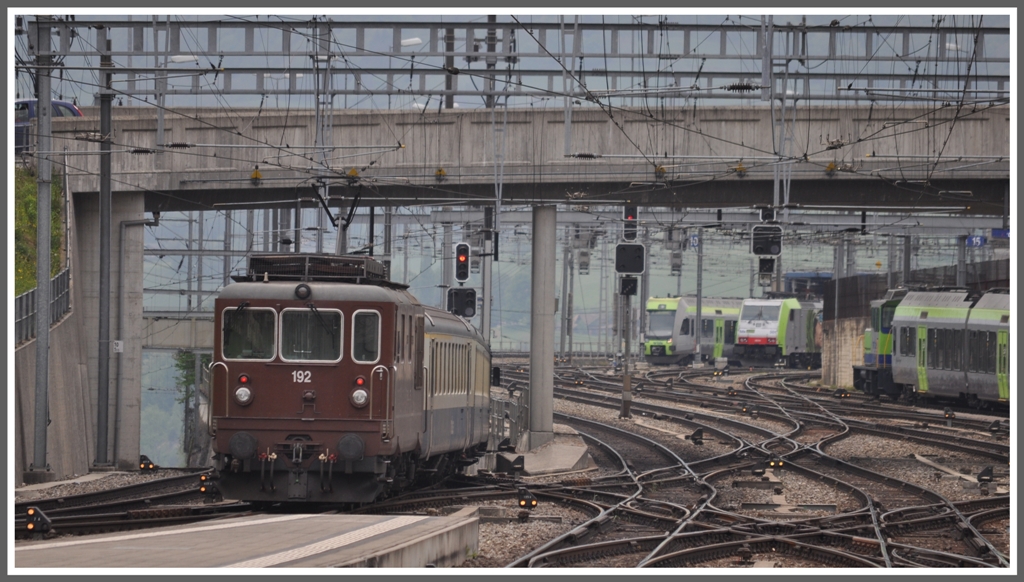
542, 331
124, 408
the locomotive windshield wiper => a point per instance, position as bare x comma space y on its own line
241, 306
320, 318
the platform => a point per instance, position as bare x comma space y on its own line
566, 453
270, 541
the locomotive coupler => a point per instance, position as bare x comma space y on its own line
328, 460
265, 459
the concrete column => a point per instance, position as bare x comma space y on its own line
485, 267
387, 241
39, 470
961, 261
266, 230
228, 235
104, 250
700, 292
851, 258
563, 323
542, 331
908, 251
890, 278
298, 227
447, 269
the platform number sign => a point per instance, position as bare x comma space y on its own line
694, 241
976, 241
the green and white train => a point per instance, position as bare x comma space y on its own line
779, 332
943, 345
671, 334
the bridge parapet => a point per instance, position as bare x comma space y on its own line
718, 156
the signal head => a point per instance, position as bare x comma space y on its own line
462, 262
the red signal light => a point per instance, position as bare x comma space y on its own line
462, 258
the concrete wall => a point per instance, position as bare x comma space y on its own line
123, 420
71, 436
843, 347
181, 333
462, 142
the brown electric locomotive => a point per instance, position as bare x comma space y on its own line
332, 384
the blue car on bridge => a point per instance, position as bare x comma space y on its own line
25, 110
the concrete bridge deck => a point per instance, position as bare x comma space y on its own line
698, 157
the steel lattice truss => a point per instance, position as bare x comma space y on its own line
519, 59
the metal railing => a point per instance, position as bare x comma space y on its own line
509, 416
25, 307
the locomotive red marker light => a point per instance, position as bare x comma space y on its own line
360, 381
243, 379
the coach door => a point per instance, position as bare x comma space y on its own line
719, 337
922, 359
1003, 364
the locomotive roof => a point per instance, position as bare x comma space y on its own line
951, 299
996, 301
321, 291
712, 302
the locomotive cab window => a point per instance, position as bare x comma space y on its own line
366, 337
659, 324
686, 326
248, 333
311, 335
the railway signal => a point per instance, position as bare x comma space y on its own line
526, 499
628, 286
145, 464
629, 258
629, 220
462, 262
36, 521
462, 301
766, 240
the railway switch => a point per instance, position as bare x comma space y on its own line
985, 476
697, 437
36, 521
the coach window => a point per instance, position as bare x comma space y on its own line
707, 327
248, 333
399, 339
366, 337
309, 334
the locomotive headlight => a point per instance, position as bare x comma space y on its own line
243, 395
360, 398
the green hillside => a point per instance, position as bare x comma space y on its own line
25, 229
